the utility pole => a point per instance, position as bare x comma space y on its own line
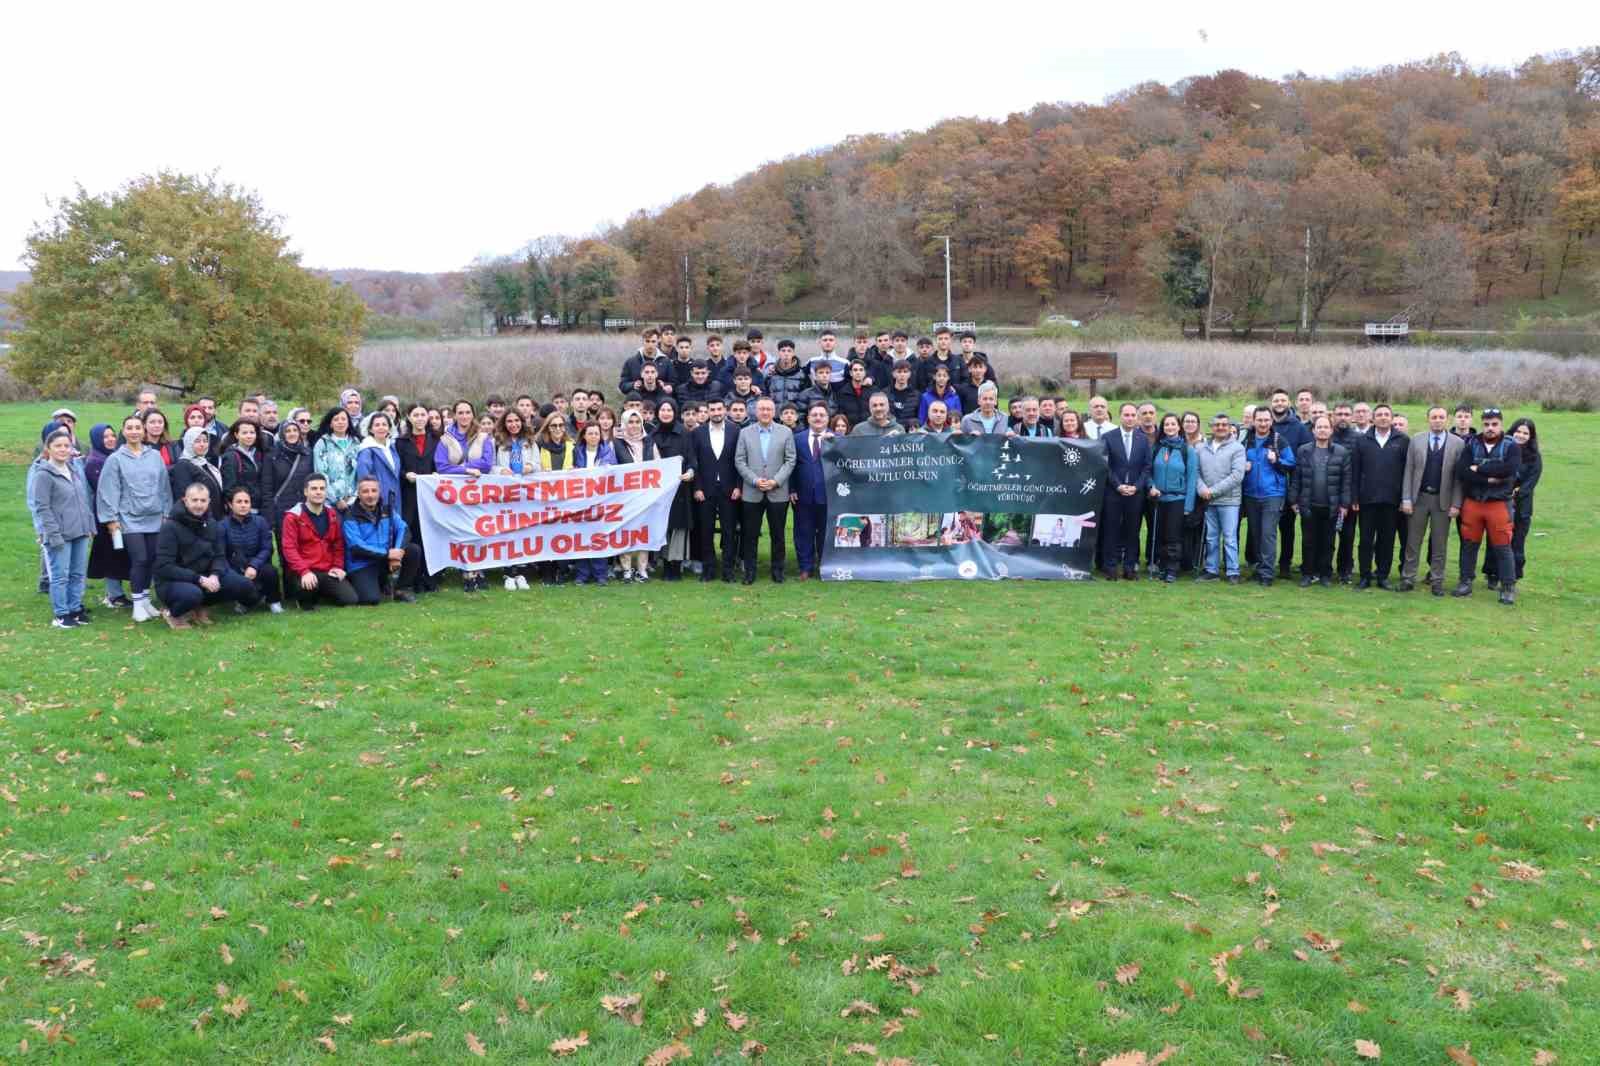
686, 289
1305, 288
947, 311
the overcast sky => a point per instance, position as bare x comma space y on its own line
419, 136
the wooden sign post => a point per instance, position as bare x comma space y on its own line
1091, 367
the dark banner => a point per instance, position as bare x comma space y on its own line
926, 507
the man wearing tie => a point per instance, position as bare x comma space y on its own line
1128, 459
807, 492
716, 489
1430, 496
765, 457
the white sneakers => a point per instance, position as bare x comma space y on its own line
511, 584
142, 611
516, 583
275, 608
522, 583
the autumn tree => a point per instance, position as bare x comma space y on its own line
183, 281
500, 286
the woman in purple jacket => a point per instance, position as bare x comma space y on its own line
466, 449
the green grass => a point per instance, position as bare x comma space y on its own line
479, 817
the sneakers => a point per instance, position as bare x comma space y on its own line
115, 601
405, 596
522, 583
1508, 594
65, 621
83, 616
627, 577
142, 611
176, 621
511, 584
275, 608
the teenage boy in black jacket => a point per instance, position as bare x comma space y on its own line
905, 401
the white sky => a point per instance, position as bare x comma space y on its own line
417, 136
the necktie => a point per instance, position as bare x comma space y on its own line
815, 447
1435, 444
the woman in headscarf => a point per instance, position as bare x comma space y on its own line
194, 416
106, 560
634, 446
194, 464
335, 456
671, 440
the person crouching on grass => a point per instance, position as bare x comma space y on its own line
378, 558
191, 569
247, 540
313, 550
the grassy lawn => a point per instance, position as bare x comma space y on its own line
930, 823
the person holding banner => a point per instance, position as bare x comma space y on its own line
592, 451
379, 561
765, 458
807, 492
987, 417
634, 446
880, 420
516, 453
467, 450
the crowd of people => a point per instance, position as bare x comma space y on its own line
273, 506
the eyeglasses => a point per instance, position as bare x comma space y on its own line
303, 421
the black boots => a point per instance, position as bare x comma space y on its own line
1469, 567
1506, 564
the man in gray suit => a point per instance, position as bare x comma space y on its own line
1430, 497
764, 458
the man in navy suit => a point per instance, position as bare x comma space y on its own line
1128, 460
807, 493
716, 490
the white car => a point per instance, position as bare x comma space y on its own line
1062, 320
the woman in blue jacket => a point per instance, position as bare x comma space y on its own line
593, 450
378, 458
247, 540
1174, 473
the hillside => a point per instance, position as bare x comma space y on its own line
1433, 186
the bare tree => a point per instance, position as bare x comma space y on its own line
862, 250
1215, 213
1438, 270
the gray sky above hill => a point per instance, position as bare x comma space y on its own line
418, 136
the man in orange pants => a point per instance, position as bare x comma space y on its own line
1487, 470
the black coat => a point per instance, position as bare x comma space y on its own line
851, 405
184, 473
1380, 473
714, 476
904, 406
1341, 476
678, 443
188, 548
1125, 469
631, 366
412, 463
240, 470
284, 478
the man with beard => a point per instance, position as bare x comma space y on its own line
1294, 433
1487, 470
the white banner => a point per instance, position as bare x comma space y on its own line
501, 520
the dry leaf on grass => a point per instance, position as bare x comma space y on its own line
1541, 1057
735, 1021
475, 1045
1128, 973
1127, 1058
568, 1045
1461, 1056
1368, 1050
663, 1056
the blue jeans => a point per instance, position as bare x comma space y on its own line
68, 567
1222, 531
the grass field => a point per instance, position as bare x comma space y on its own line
928, 823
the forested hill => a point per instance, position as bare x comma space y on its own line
1433, 182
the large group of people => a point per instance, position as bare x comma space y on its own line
193, 512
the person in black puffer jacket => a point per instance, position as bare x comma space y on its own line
191, 568
1319, 490
247, 540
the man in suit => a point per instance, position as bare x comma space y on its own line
1128, 459
1429, 498
807, 492
765, 458
1380, 473
716, 489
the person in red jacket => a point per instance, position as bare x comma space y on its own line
313, 548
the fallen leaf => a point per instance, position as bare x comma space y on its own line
570, 1044
860, 1049
150, 1003
1355, 1006
1541, 1057
700, 1018
226, 953
1368, 1050
325, 1041
475, 1045
751, 1048
1128, 973
662, 1056
1127, 1058
1166, 1052
1461, 1056
735, 1021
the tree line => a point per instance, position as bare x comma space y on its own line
1224, 198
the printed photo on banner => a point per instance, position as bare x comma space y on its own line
860, 531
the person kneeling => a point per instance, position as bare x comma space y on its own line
313, 549
248, 540
376, 549
191, 568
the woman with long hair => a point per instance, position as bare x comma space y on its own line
416, 450
158, 438
555, 453
58, 500
133, 499
1071, 423
516, 452
288, 466
466, 449
671, 440
592, 451
606, 419
1174, 476
1192, 554
839, 425
436, 421
242, 465
334, 456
